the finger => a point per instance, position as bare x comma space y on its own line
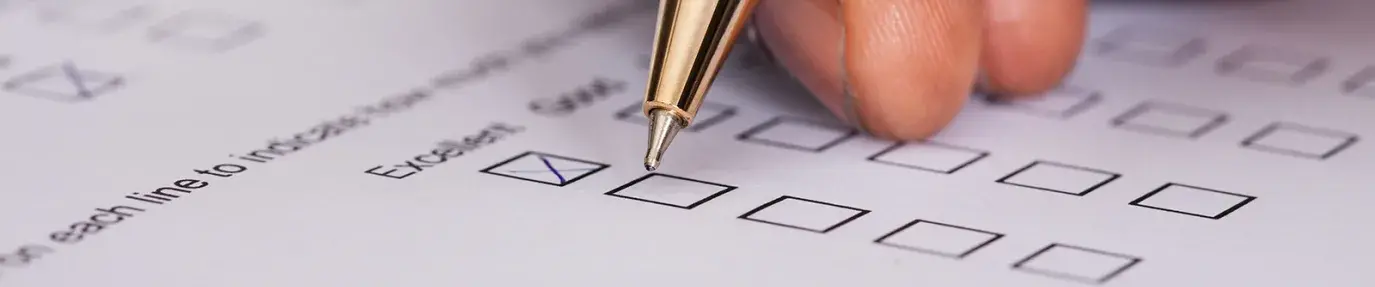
1031, 45
910, 64
804, 37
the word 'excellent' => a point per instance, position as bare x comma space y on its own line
444, 151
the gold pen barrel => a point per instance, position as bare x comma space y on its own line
693, 39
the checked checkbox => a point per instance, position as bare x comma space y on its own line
545, 168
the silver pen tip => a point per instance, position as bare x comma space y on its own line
663, 126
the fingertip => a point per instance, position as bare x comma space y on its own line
1031, 45
910, 64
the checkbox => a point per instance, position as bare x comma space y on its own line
1170, 120
107, 16
804, 214
929, 156
545, 168
940, 239
205, 30
1192, 200
1361, 84
669, 190
64, 82
1059, 177
709, 114
1161, 48
798, 134
1063, 102
1268, 64
1076, 263
1300, 141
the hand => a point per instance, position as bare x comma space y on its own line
902, 69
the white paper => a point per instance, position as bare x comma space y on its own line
411, 143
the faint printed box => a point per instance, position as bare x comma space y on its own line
708, 115
940, 239
205, 30
1160, 47
804, 214
1061, 103
670, 190
1192, 200
1300, 141
101, 15
1170, 120
1272, 65
798, 134
1076, 263
1059, 178
929, 156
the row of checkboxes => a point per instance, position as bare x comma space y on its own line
1171, 48
923, 236
196, 29
1181, 121
1043, 175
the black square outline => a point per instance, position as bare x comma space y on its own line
1216, 119
170, 28
1109, 46
727, 112
1093, 98
1132, 261
1232, 62
995, 237
981, 154
1112, 176
723, 191
748, 135
859, 213
104, 82
1350, 139
1229, 210
600, 167
1359, 83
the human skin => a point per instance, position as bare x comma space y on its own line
902, 69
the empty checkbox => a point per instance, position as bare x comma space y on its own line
205, 30
107, 16
1076, 263
1170, 120
798, 134
929, 156
1192, 200
1361, 84
1268, 64
939, 239
709, 114
1153, 47
1059, 177
1063, 102
669, 190
1301, 141
804, 214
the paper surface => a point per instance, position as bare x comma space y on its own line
467, 143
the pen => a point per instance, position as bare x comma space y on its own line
692, 40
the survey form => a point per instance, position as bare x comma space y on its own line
499, 143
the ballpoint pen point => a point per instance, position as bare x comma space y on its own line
662, 128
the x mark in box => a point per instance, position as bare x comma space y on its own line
545, 168
64, 82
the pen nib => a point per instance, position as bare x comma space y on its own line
663, 126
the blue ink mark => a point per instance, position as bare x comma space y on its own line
75, 77
552, 169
